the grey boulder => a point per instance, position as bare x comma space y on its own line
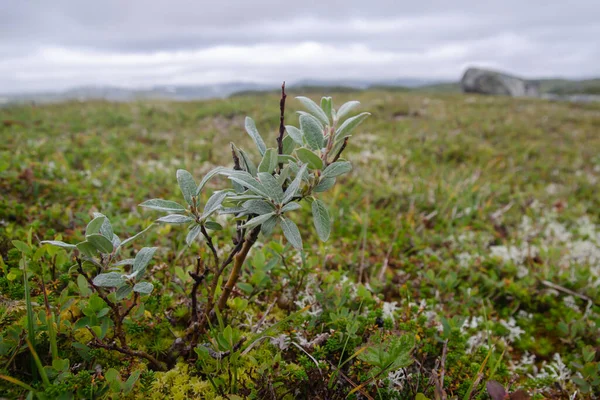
485, 81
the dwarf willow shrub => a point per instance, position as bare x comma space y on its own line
304, 163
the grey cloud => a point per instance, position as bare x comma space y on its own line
434, 38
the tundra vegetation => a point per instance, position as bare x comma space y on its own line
409, 245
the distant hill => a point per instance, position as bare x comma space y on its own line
549, 88
559, 87
565, 86
112, 93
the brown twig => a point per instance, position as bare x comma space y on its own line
133, 304
264, 317
125, 350
238, 261
339, 153
440, 393
210, 244
215, 279
568, 291
281, 122
198, 279
354, 385
118, 329
386, 260
281, 125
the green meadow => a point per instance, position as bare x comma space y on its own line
464, 249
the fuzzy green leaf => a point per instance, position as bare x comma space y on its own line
269, 161
295, 134
102, 244
312, 131
253, 132
187, 185
123, 291
128, 261
59, 243
247, 163
321, 220
257, 220
106, 229
324, 185
115, 241
350, 124
283, 175
327, 107
248, 181
143, 287
272, 187
291, 206
288, 145
87, 249
214, 203
213, 226
163, 205
259, 207
291, 232
346, 108
192, 234
267, 227
310, 158
284, 159
237, 210
294, 186
142, 258
337, 168
22, 246
314, 109
94, 225
111, 279
210, 174
175, 219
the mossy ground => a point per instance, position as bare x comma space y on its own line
467, 220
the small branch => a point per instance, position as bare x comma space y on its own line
339, 153
281, 121
281, 125
135, 299
264, 317
215, 280
439, 378
444, 354
354, 385
231, 255
309, 356
53, 268
210, 244
386, 260
568, 291
91, 283
125, 350
118, 330
238, 261
476, 383
198, 279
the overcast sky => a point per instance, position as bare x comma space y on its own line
58, 44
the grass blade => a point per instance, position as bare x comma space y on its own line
39, 365
30, 316
17, 382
